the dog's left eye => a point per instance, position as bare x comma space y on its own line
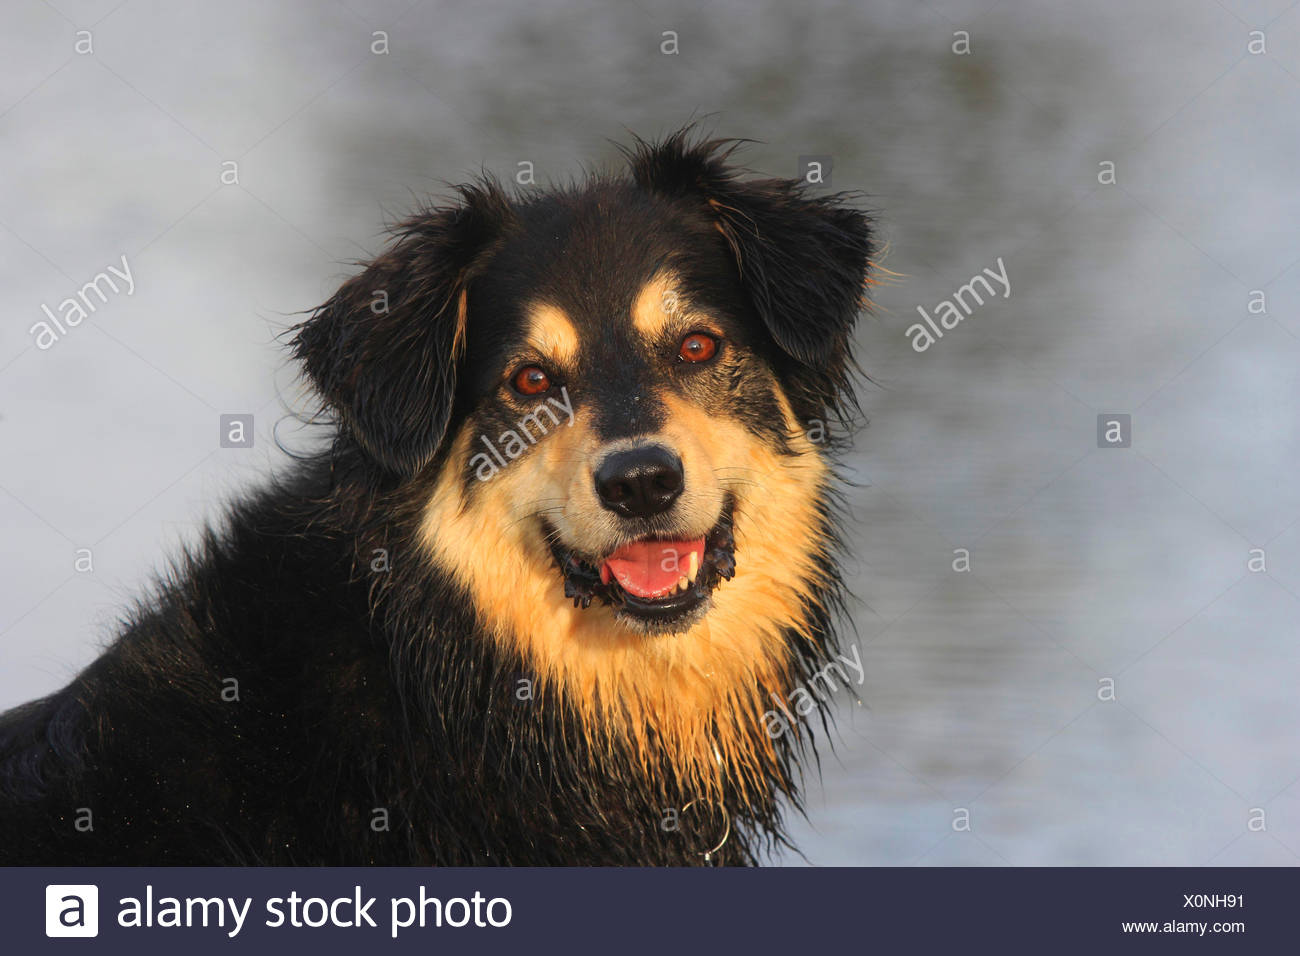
530, 380
697, 347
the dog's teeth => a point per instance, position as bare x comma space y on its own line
693, 568
683, 583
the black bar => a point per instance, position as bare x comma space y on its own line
671, 911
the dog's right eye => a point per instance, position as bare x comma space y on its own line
530, 380
697, 347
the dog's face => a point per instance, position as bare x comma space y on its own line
620, 396
614, 397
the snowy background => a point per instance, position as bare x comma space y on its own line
1169, 292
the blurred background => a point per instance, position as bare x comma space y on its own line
1074, 654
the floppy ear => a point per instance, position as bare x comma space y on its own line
383, 351
804, 260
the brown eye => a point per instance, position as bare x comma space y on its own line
698, 347
531, 380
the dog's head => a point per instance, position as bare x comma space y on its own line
614, 399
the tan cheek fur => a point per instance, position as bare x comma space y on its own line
687, 691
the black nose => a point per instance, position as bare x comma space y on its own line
639, 482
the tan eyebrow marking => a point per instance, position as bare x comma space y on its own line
552, 333
659, 302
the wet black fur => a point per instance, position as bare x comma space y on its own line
363, 689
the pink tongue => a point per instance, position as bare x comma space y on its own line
651, 569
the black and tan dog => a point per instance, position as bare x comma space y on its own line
573, 537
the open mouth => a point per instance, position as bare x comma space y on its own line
657, 581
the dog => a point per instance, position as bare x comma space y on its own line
574, 533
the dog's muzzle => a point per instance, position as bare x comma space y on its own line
662, 583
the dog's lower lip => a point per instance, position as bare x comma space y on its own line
665, 608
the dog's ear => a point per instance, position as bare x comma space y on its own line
383, 351
804, 260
